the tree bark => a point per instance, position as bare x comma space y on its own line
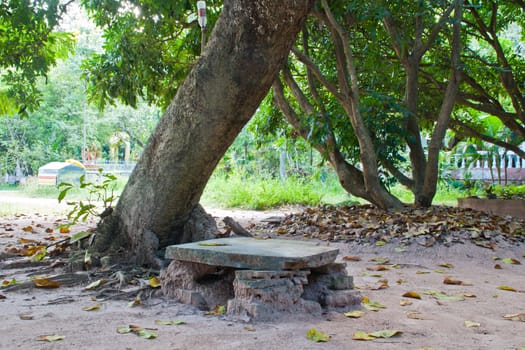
428, 192
159, 205
350, 178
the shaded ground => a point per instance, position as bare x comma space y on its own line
409, 260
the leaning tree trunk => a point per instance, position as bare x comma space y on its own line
159, 205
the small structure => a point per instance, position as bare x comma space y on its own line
55, 173
258, 279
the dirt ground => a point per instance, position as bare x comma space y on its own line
383, 274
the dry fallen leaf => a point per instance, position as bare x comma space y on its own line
440, 296
515, 317
416, 315
249, 328
412, 295
449, 280
95, 284
470, 324
135, 302
218, 311
51, 338
27, 240
405, 302
447, 265
360, 335
351, 258
354, 314
91, 308
154, 282
380, 260
385, 333
45, 283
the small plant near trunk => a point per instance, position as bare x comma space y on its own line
98, 201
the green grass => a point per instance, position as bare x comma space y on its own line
33, 190
258, 193
263, 193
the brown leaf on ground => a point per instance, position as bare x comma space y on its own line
45, 283
366, 224
449, 280
351, 258
412, 295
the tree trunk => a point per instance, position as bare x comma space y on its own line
425, 197
159, 205
351, 178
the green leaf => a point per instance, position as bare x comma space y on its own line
317, 336
169, 322
39, 255
507, 288
63, 193
373, 306
511, 261
386, 333
6, 283
123, 330
360, 335
147, 334
79, 236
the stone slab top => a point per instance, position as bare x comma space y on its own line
254, 254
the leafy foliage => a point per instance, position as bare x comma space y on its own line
99, 196
149, 48
28, 49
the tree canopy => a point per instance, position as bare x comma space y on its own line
373, 86
29, 47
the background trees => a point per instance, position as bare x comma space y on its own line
363, 62
365, 85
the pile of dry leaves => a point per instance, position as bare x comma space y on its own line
369, 225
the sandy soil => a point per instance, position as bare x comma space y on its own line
425, 324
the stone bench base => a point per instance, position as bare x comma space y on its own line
260, 294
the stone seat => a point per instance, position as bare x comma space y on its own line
254, 254
258, 279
